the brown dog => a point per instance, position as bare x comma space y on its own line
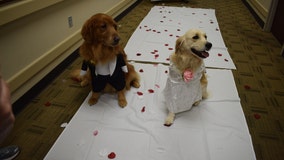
108, 68
187, 83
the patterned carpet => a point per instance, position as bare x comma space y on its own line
259, 79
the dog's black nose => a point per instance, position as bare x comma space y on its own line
116, 40
208, 45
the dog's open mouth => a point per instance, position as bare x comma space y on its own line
201, 54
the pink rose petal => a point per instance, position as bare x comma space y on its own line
95, 133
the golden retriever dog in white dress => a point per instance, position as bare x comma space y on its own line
187, 83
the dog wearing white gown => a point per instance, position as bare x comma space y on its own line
187, 83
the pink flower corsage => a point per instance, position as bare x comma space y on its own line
187, 75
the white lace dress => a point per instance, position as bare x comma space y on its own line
181, 95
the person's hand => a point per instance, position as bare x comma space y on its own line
7, 117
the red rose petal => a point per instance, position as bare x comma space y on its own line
112, 155
143, 109
166, 71
156, 56
171, 35
150, 90
257, 116
47, 104
170, 48
247, 87
75, 79
141, 70
138, 54
226, 60
167, 59
140, 93
219, 54
166, 44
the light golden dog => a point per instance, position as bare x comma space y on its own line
104, 60
187, 83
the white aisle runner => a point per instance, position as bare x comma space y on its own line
215, 130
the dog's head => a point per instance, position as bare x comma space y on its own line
100, 29
195, 42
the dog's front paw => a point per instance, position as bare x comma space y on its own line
121, 99
94, 98
92, 101
122, 103
84, 83
170, 119
136, 84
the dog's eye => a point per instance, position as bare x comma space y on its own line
103, 26
195, 37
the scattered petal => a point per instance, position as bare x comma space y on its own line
141, 70
138, 54
247, 87
219, 54
151, 91
96, 132
226, 60
112, 155
257, 116
140, 93
75, 79
63, 125
47, 104
166, 44
170, 48
143, 109
156, 56
156, 85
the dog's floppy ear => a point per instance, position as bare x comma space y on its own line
179, 42
87, 31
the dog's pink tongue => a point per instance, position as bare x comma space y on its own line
205, 54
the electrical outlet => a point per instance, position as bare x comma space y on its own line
70, 21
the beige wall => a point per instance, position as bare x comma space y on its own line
33, 45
